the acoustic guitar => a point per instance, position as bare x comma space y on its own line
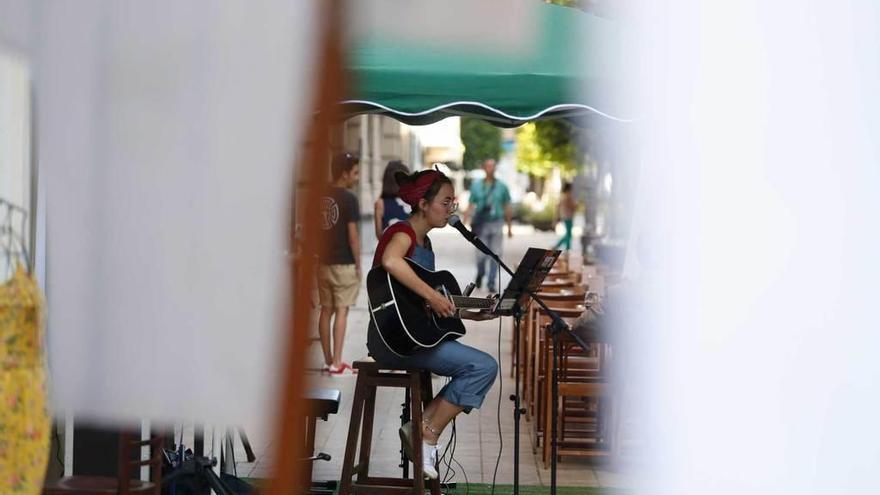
403, 318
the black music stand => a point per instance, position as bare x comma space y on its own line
530, 273
532, 269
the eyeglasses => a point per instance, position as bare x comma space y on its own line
451, 206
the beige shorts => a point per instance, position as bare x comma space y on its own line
338, 285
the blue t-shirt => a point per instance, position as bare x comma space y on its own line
394, 210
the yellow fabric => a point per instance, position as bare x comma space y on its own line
24, 418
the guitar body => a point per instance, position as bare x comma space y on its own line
403, 319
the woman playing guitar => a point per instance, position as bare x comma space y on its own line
472, 372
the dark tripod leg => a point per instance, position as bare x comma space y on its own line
199, 440
227, 454
201, 469
249, 452
216, 483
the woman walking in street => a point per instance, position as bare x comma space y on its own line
389, 208
565, 213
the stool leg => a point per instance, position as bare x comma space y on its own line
427, 396
427, 393
354, 427
367, 434
416, 411
405, 416
310, 448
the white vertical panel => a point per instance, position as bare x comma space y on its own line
15, 138
68, 443
761, 131
167, 131
145, 450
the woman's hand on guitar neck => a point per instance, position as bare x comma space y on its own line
481, 315
440, 305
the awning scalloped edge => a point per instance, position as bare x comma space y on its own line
564, 108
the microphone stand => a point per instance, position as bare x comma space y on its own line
556, 327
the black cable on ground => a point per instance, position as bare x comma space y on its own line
450, 448
467, 485
450, 445
500, 395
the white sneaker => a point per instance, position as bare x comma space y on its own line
429, 460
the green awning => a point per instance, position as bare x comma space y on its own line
568, 73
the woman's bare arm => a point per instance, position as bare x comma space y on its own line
393, 263
378, 213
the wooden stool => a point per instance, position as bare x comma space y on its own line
320, 403
371, 376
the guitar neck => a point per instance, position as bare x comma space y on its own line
464, 302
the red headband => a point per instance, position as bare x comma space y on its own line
412, 192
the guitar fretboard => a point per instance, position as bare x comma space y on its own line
464, 302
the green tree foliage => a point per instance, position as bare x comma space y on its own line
529, 158
481, 142
547, 144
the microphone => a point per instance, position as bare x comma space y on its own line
467, 234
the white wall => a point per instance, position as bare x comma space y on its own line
759, 338
15, 132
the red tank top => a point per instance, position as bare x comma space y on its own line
389, 233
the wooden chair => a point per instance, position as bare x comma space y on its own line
587, 412
560, 282
568, 261
124, 483
564, 286
530, 337
568, 310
